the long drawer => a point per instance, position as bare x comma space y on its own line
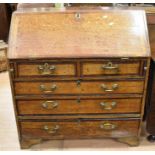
79, 87
79, 106
82, 129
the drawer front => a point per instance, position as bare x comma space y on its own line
76, 87
46, 69
82, 129
110, 68
79, 106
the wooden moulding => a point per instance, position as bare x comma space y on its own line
84, 116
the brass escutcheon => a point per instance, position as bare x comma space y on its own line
78, 100
77, 15
78, 82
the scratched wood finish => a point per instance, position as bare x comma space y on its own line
60, 69
82, 129
92, 87
79, 106
93, 34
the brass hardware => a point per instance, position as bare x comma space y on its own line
110, 66
50, 104
52, 88
51, 130
78, 100
78, 121
46, 69
77, 16
108, 106
106, 89
78, 82
108, 126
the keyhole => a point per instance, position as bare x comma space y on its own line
78, 83
78, 100
77, 15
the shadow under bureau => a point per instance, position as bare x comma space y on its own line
78, 74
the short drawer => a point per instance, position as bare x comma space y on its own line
79, 106
77, 87
82, 129
46, 69
111, 68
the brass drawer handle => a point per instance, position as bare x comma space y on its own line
108, 106
106, 89
108, 126
51, 130
46, 69
50, 104
110, 66
52, 88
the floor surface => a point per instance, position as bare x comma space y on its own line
9, 137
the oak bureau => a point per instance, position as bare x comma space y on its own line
78, 74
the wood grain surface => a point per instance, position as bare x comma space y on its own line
79, 106
33, 69
96, 33
81, 129
97, 68
71, 87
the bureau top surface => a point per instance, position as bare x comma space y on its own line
78, 34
